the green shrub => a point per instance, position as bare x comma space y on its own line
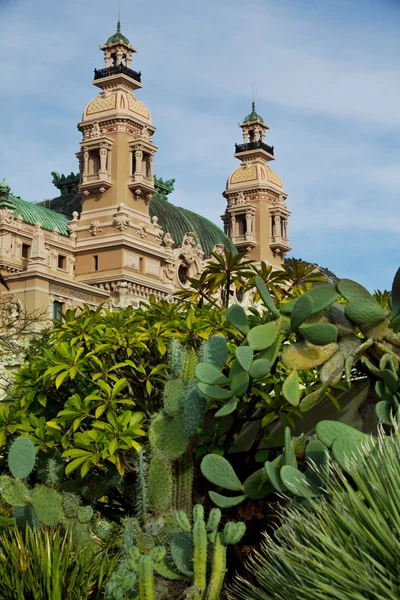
44, 565
345, 546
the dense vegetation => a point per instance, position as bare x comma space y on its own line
113, 414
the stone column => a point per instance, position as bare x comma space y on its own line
277, 222
233, 226
138, 157
85, 166
151, 163
103, 161
249, 223
285, 229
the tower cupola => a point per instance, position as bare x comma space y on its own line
254, 132
118, 54
256, 217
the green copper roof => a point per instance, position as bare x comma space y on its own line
32, 213
118, 37
178, 221
173, 219
253, 116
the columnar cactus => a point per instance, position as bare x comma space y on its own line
190, 551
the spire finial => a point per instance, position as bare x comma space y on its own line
253, 104
119, 17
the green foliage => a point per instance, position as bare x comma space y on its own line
285, 368
37, 563
98, 375
343, 547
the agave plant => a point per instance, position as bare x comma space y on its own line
343, 547
40, 564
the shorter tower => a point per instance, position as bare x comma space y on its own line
256, 217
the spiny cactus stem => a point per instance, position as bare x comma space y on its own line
146, 578
218, 569
200, 558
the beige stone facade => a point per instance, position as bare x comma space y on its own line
124, 241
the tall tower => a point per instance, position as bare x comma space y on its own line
256, 217
116, 241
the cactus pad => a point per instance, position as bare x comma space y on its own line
244, 356
263, 336
257, 485
302, 356
238, 379
219, 471
21, 457
291, 388
301, 311
319, 334
215, 351
47, 505
237, 317
207, 373
260, 368
13, 491
265, 295
182, 553
297, 482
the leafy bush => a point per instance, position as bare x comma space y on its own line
87, 393
345, 546
42, 564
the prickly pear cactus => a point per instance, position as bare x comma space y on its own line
43, 504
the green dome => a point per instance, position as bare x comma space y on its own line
118, 37
253, 116
178, 221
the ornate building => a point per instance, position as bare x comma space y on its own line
112, 235
256, 217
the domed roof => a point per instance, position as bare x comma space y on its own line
253, 116
116, 103
118, 37
257, 173
178, 221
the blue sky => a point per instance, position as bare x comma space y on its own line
327, 80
